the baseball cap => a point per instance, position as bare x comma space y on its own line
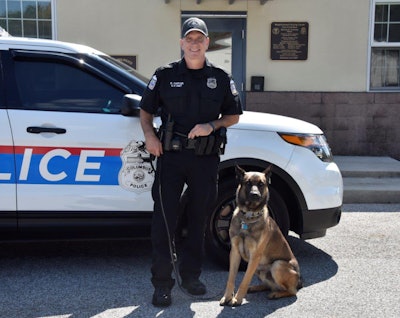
194, 24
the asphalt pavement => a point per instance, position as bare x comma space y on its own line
351, 272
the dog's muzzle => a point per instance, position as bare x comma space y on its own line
254, 194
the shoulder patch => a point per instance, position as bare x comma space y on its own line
153, 82
233, 88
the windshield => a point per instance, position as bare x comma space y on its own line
124, 67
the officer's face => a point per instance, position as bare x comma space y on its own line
194, 45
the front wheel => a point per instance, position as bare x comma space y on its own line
217, 241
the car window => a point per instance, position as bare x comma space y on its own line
2, 89
48, 85
124, 67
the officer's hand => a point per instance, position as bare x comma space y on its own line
200, 130
153, 145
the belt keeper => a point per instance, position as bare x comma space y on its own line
212, 126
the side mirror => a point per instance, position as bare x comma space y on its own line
131, 105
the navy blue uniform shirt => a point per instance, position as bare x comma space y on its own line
191, 96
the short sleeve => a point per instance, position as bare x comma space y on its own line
150, 97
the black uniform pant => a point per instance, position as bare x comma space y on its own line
200, 173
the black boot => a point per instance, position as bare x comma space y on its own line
162, 297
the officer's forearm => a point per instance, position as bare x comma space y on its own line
146, 121
225, 121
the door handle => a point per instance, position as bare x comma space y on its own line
38, 130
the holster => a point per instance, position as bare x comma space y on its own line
211, 144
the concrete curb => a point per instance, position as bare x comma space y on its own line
370, 179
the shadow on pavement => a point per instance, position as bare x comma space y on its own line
112, 279
315, 266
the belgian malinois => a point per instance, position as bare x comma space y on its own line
257, 239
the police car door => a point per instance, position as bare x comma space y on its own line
74, 150
8, 220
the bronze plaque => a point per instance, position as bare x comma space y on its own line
127, 59
289, 41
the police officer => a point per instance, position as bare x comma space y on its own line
196, 100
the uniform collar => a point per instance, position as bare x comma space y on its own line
183, 67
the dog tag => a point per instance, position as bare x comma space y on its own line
245, 226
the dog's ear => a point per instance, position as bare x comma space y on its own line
239, 173
268, 172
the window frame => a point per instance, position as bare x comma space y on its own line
37, 20
383, 45
74, 61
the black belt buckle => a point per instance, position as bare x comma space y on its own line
176, 144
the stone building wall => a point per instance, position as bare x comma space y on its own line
358, 124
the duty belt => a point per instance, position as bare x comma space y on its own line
186, 143
189, 143
204, 145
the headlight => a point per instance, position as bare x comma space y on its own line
316, 143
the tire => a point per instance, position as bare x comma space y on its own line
217, 241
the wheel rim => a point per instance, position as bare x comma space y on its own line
222, 220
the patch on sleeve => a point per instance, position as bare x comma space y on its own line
153, 82
233, 88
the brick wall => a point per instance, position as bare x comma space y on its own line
359, 124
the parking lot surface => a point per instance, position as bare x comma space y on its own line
352, 272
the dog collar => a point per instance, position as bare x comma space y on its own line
252, 215
245, 225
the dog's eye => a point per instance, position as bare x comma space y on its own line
261, 184
249, 184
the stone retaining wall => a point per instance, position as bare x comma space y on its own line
357, 124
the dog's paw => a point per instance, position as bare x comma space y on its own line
235, 302
222, 301
225, 301
230, 301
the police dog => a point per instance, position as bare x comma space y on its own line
257, 239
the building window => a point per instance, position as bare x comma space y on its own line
385, 46
28, 18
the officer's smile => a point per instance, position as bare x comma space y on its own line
194, 44
194, 50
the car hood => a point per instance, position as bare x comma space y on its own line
270, 122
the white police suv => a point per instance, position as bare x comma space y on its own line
73, 162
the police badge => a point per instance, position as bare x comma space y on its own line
212, 82
136, 174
